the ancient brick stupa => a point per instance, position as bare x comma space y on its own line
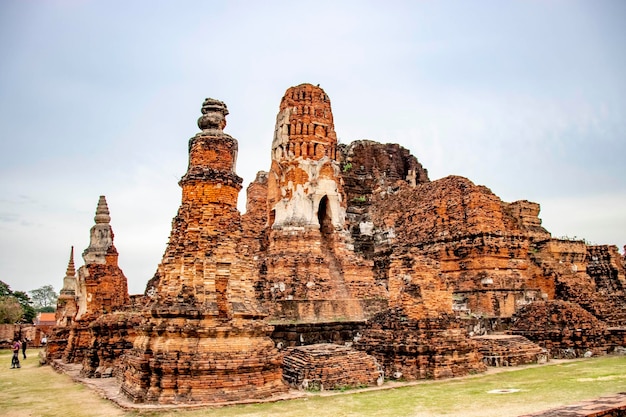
311, 271
205, 340
100, 287
65, 314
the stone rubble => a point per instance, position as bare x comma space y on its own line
329, 366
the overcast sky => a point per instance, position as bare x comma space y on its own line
101, 97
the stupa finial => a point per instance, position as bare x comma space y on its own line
214, 114
71, 269
102, 212
69, 282
100, 236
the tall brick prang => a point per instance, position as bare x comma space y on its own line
205, 340
309, 271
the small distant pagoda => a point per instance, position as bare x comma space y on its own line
66, 303
205, 340
99, 287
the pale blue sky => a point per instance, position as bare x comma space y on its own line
100, 97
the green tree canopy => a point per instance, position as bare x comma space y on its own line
9, 299
4, 289
10, 310
26, 303
44, 297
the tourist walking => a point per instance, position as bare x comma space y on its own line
15, 362
24, 347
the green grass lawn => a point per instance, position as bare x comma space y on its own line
34, 390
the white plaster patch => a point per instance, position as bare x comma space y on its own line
366, 228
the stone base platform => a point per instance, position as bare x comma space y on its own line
509, 350
110, 389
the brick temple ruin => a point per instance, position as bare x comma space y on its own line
349, 267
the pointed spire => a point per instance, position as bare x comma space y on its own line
100, 236
69, 282
71, 269
102, 211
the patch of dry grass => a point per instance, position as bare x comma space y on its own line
39, 391
35, 390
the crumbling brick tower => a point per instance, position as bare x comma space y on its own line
205, 340
65, 313
310, 271
101, 286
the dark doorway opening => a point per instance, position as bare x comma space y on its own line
324, 217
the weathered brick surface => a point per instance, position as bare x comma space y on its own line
369, 167
565, 329
111, 336
509, 350
307, 269
420, 349
329, 366
605, 267
78, 342
100, 287
302, 334
590, 275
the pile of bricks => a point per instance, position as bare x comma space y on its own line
430, 348
565, 329
509, 350
329, 366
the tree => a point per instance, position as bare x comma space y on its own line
44, 297
10, 310
4, 289
9, 299
27, 307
